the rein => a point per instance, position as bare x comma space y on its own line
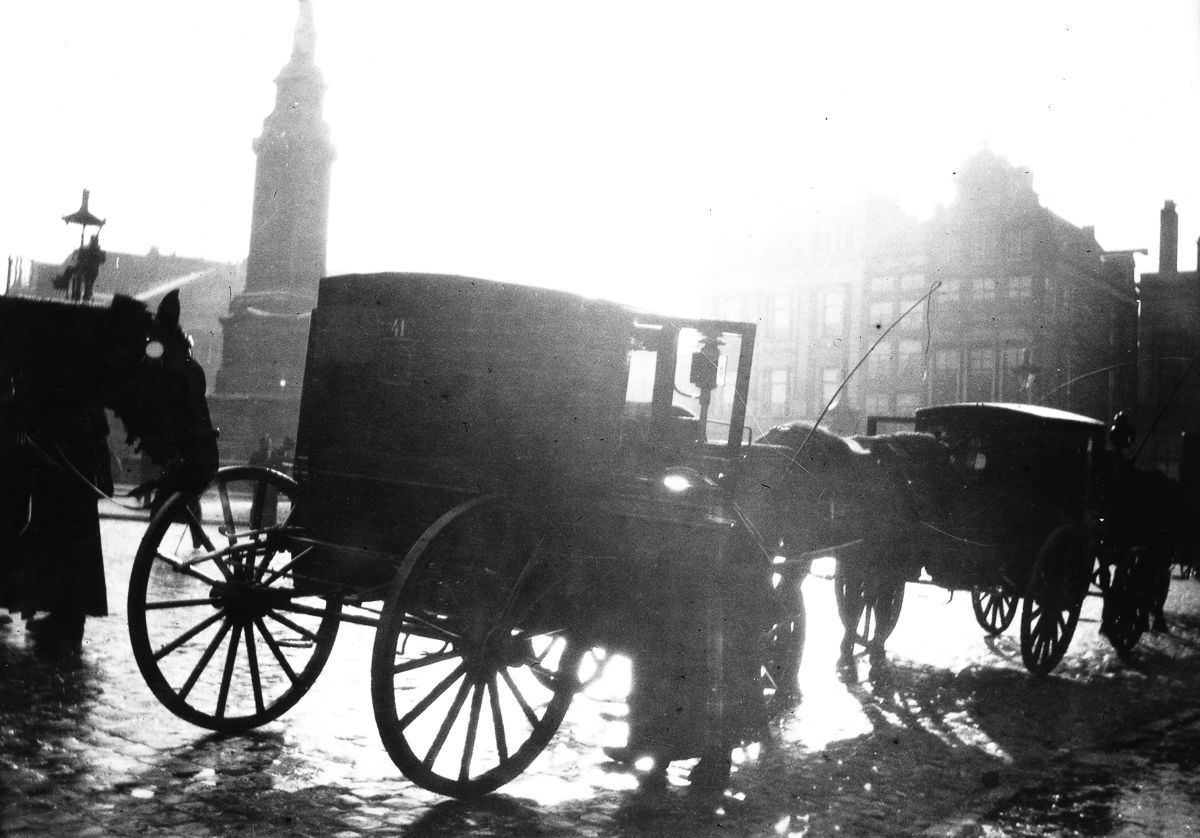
63, 463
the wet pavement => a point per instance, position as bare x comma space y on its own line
952, 737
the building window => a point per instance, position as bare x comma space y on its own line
831, 380
950, 292
878, 404
945, 376
910, 354
779, 389
907, 403
912, 282
883, 284
984, 290
880, 315
879, 362
781, 313
914, 318
1020, 288
834, 312
981, 371
1014, 371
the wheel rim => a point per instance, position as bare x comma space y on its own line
1053, 597
994, 610
219, 630
1127, 610
468, 682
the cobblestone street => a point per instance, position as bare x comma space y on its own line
937, 742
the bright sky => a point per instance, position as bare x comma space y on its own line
601, 147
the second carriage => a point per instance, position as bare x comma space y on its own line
499, 479
1038, 508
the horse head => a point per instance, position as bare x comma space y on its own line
157, 390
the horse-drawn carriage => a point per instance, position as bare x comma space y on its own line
499, 479
1031, 506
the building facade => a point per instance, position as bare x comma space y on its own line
872, 313
1169, 391
266, 332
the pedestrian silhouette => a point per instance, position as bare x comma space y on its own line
262, 455
90, 260
81, 270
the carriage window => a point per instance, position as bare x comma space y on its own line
640, 388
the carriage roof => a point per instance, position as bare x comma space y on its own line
1007, 418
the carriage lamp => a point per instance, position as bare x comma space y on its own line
154, 350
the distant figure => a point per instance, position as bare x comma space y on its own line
262, 456
90, 260
281, 457
80, 271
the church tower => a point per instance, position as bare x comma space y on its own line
266, 333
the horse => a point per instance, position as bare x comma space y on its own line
806, 489
1146, 514
61, 365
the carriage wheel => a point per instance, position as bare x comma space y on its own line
1054, 594
869, 609
1128, 602
994, 609
470, 674
219, 631
783, 649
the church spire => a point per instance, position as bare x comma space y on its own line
304, 46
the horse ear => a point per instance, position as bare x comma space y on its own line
167, 316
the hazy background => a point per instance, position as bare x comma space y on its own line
607, 148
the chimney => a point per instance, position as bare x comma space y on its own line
1168, 242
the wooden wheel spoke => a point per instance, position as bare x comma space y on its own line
430, 697
196, 530
182, 603
280, 571
190, 569
497, 718
273, 645
435, 747
257, 505
201, 664
163, 651
227, 673
426, 660
464, 769
292, 624
524, 705
252, 662
420, 627
230, 526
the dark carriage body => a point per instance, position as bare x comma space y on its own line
423, 391
1019, 471
518, 475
